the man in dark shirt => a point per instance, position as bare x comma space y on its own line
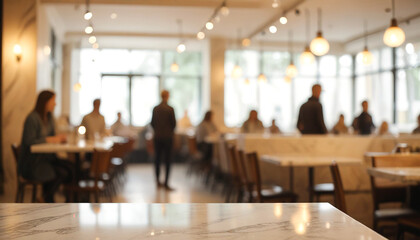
163, 123
311, 117
363, 124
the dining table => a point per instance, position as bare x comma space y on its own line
405, 175
76, 149
310, 162
124, 221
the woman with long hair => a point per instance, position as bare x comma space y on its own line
39, 128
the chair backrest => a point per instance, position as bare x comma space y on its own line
340, 201
254, 168
16, 152
384, 191
100, 164
192, 145
223, 155
243, 170
118, 150
233, 161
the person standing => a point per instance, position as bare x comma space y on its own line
163, 124
363, 124
94, 122
311, 117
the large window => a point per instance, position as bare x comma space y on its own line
278, 98
129, 81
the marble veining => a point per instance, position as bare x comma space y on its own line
179, 221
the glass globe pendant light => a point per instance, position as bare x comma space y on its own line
237, 70
174, 67
319, 45
291, 70
307, 58
394, 36
365, 56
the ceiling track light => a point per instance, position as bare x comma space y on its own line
88, 14
394, 36
89, 29
283, 20
221, 10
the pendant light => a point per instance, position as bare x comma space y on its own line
237, 70
224, 10
394, 36
174, 67
365, 56
181, 46
261, 78
307, 58
319, 45
291, 70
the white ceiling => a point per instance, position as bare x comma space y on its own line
342, 19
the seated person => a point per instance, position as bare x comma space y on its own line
63, 124
363, 124
384, 129
417, 130
204, 129
252, 124
38, 128
184, 122
94, 122
273, 128
118, 125
340, 127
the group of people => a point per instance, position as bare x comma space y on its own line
39, 127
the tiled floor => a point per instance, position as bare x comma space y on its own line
140, 187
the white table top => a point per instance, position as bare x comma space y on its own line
179, 221
79, 146
307, 161
406, 175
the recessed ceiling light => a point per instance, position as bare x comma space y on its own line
113, 16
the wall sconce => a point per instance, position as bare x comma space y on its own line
17, 50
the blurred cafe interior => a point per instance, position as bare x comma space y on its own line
227, 119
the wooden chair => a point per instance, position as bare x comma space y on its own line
339, 199
408, 224
318, 190
236, 183
194, 156
266, 194
100, 166
21, 181
384, 191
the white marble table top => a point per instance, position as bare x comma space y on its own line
79, 146
405, 175
307, 161
179, 221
